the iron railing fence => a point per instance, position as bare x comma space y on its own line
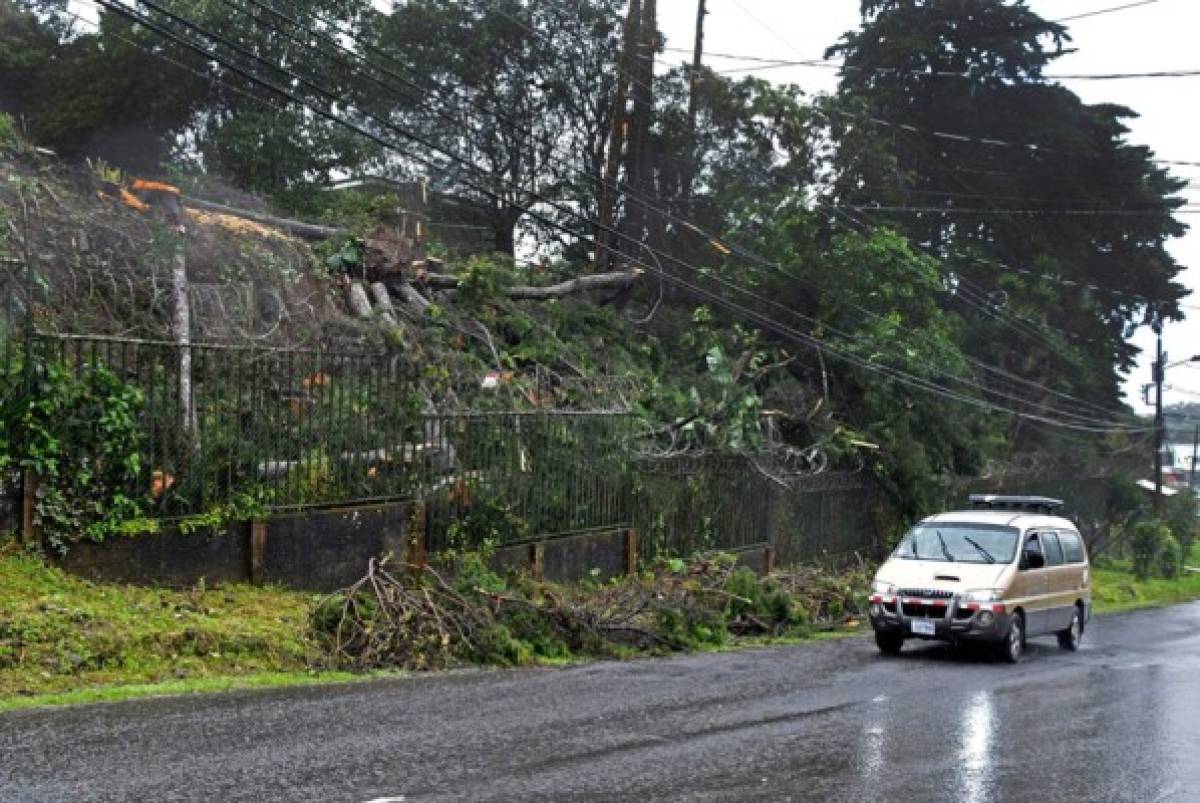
297, 428
688, 504
519, 476
294, 427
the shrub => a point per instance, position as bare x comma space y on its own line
79, 431
10, 140
1181, 518
1146, 545
1170, 560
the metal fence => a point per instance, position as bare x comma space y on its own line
725, 501
298, 428
307, 428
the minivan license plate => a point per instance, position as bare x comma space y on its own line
923, 628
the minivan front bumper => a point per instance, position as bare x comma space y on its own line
957, 624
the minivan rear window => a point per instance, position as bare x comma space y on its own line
1072, 547
1054, 552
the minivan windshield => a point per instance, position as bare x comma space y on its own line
959, 543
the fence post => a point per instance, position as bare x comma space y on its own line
631, 552
416, 544
258, 552
537, 557
29, 533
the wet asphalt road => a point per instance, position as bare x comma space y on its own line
1120, 720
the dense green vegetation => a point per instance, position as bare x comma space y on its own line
920, 345
1115, 587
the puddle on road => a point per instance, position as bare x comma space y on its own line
977, 733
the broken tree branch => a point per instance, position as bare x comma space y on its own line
356, 298
596, 281
298, 228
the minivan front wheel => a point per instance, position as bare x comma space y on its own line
1069, 639
889, 643
1013, 645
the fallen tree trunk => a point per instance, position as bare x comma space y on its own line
407, 454
383, 302
595, 281
309, 231
356, 299
416, 302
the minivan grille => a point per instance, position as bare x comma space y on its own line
925, 611
926, 593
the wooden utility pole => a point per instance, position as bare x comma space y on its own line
1160, 370
617, 132
1195, 454
697, 59
693, 98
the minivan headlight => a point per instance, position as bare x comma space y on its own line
982, 595
882, 587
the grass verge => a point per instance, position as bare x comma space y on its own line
64, 640
1115, 588
65, 637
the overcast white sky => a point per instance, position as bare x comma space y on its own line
1159, 36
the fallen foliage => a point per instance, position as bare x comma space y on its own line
411, 617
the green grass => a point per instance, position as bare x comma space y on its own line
1114, 587
61, 636
109, 694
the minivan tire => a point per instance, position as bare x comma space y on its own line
1070, 638
889, 643
1013, 646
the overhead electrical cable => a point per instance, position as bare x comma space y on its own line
976, 297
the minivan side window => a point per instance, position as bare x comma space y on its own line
1054, 552
1072, 547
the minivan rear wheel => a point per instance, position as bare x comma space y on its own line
1013, 645
1070, 638
889, 643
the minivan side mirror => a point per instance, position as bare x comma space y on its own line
1033, 559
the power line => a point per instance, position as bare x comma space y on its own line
1032, 147
630, 193
1185, 209
1018, 323
768, 323
977, 298
776, 64
773, 63
1099, 12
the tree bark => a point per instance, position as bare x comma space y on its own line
181, 326
383, 303
638, 219
299, 228
617, 134
356, 298
594, 281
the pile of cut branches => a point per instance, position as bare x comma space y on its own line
417, 617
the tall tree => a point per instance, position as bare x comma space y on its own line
521, 89
920, 70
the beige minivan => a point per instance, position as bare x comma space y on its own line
1003, 572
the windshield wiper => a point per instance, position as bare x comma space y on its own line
986, 555
945, 549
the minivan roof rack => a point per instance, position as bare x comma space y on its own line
1031, 503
